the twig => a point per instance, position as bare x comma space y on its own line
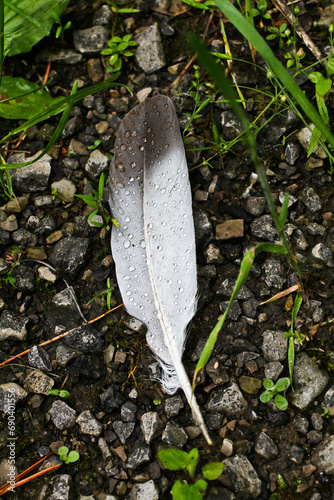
5, 488
58, 336
281, 6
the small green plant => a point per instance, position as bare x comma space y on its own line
261, 10
282, 33
181, 460
59, 392
66, 456
293, 335
107, 293
95, 201
95, 145
121, 10
273, 390
119, 49
194, 92
61, 29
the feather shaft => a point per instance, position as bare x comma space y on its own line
154, 247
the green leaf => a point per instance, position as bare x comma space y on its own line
268, 383
195, 4
282, 384
88, 199
281, 402
213, 470
64, 394
173, 459
272, 248
330, 66
315, 76
91, 216
116, 39
323, 85
101, 185
262, 5
54, 392
291, 357
73, 456
266, 396
192, 461
184, 491
26, 99
113, 59
284, 211
27, 22
115, 222
314, 141
62, 452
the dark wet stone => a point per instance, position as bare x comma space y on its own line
5, 237
229, 400
149, 54
314, 437
85, 339
61, 485
123, 429
96, 164
322, 456
227, 286
166, 29
39, 358
128, 412
24, 237
63, 313
62, 415
243, 476
274, 273
328, 402
46, 226
317, 421
275, 345
33, 177
321, 252
89, 424
234, 312
70, 254
273, 370
151, 426
140, 454
265, 446
213, 420
297, 454
245, 357
311, 199
91, 40
25, 278
309, 381
292, 152
264, 227
102, 16
277, 127
216, 372
173, 406
13, 326
249, 308
72, 126
255, 205
220, 493
302, 425
119, 104
174, 435
111, 400
193, 153
231, 125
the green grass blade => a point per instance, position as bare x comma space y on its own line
284, 211
56, 135
60, 106
2, 36
245, 267
281, 73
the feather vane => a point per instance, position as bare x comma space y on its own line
154, 247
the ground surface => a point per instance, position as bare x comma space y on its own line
108, 368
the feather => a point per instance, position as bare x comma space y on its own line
154, 247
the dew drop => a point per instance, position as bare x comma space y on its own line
135, 133
120, 167
133, 165
123, 147
128, 293
127, 133
131, 269
120, 210
126, 278
141, 148
169, 282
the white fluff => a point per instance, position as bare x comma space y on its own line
154, 248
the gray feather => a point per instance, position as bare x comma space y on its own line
154, 248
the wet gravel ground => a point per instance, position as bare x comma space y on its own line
117, 417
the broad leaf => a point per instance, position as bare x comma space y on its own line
173, 459
192, 461
20, 106
281, 402
213, 470
282, 384
28, 21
